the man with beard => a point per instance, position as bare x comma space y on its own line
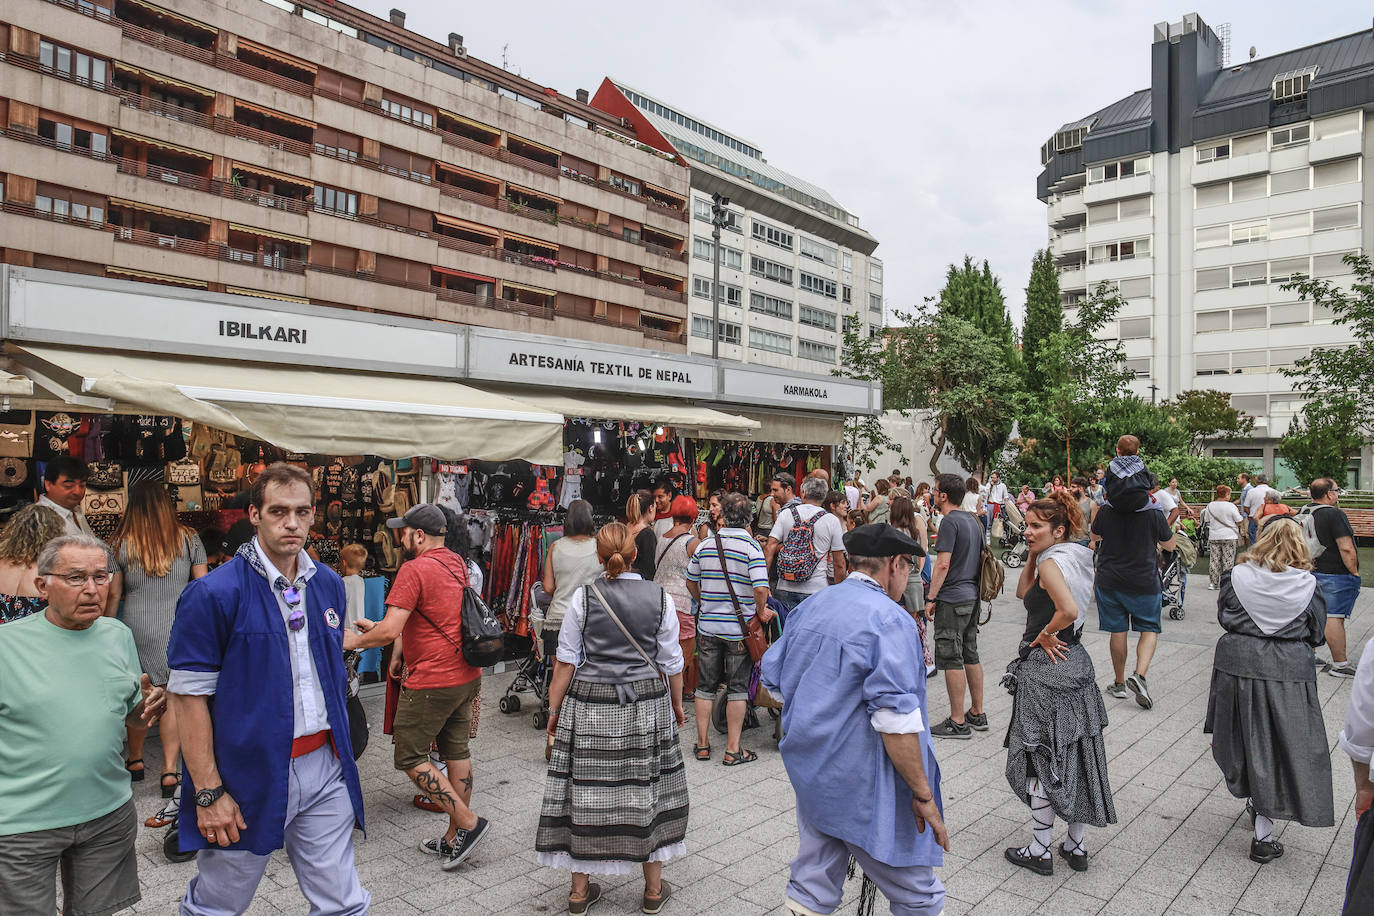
423, 619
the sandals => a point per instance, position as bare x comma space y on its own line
170, 789
166, 815
734, 759
582, 906
702, 751
135, 775
655, 904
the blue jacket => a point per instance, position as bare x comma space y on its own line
230, 622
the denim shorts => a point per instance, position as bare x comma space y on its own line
1118, 612
1340, 591
722, 660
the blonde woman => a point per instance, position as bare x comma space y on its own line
639, 512
1264, 713
28, 531
157, 556
616, 791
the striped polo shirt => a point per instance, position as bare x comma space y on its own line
747, 569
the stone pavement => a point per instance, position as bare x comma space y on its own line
1181, 846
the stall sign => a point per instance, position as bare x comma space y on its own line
784, 389
581, 364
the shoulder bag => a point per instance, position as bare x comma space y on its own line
754, 640
664, 552
483, 642
615, 619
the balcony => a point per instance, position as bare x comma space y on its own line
1073, 276
1069, 245
1068, 209
267, 127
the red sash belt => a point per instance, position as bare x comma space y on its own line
308, 743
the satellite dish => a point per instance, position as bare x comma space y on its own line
1252, 52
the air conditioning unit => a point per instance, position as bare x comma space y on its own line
460, 51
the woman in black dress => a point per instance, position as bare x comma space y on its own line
1264, 713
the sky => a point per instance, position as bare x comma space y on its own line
923, 119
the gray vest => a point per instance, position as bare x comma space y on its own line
609, 657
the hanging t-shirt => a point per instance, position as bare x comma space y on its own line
572, 478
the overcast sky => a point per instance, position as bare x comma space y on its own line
923, 119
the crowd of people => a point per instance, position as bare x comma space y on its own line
237, 654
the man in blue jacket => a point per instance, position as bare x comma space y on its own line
260, 690
857, 745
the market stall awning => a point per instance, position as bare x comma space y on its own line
15, 386
790, 428
689, 417
308, 410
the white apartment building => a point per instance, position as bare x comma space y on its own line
1199, 196
795, 265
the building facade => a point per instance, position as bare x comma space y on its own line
1199, 196
311, 153
795, 265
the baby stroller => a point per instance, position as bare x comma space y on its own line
535, 669
1173, 574
1014, 549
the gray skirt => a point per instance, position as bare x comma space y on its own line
1055, 736
616, 788
1269, 740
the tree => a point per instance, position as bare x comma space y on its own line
1044, 313
1322, 439
1080, 374
1339, 376
866, 441
1207, 416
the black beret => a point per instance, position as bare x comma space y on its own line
881, 540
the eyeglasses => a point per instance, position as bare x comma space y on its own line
292, 596
78, 579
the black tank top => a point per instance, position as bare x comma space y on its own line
1039, 612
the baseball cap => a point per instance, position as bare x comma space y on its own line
425, 517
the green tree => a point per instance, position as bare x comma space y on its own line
1340, 374
1044, 313
1080, 375
866, 441
1207, 416
1322, 439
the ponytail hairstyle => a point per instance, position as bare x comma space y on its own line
640, 502
615, 548
1060, 510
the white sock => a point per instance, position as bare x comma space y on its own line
1073, 844
1264, 828
1042, 818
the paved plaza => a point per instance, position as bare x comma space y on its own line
1181, 846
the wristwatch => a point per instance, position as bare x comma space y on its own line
207, 797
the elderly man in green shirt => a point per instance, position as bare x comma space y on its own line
69, 681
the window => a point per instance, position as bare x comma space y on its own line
628, 185
821, 353
770, 305
1338, 172
1134, 288
767, 340
1213, 321
701, 286
875, 272
1249, 318
1132, 207
408, 112
1102, 213
1291, 180
818, 252
1254, 231
761, 267
847, 295
1282, 270
1069, 139
1140, 368
875, 303
1292, 86
333, 200
1249, 362
1340, 125
816, 318
1329, 265
1289, 313
1243, 146
1288, 136
1134, 328
1214, 152
733, 295
818, 285
1212, 236
729, 332
1212, 195
1250, 274
1112, 171
1346, 217
1249, 188
68, 137
1212, 278
701, 209
1290, 225
76, 65
771, 234
1286, 356
1119, 251
730, 257
339, 145
847, 262
1212, 363
66, 204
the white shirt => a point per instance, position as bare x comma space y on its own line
1357, 738
1165, 501
970, 503
669, 651
887, 720
851, 495
307, 697
997, 493
1254, 500
1223, 520
827, 537
75, 521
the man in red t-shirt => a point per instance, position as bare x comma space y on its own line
424, 620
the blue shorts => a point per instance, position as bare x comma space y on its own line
1119, 611
1340, 591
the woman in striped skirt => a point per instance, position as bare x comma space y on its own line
616, 791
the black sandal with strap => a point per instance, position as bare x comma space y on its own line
734, 759
134, 775
702, 751
168, 790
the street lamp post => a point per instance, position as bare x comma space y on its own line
718, 211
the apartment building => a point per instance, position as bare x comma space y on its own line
795, 265
312, 153
1199, 196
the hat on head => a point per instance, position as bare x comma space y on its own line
881, 540
425, 517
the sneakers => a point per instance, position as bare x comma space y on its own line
1117, 690
464, 842
1263, 851
1041, 865
1344, 669
977, 721
1136, 682
1322, 663
951, 729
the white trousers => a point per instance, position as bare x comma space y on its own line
818, 874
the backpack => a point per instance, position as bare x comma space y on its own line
1307, 517
482, 642
991, 576
797, 560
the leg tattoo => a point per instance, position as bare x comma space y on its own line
467, 782
427, 778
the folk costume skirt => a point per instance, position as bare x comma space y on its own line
616, 791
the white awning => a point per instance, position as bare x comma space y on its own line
646, 410
15, 386
306, 410
796, 429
